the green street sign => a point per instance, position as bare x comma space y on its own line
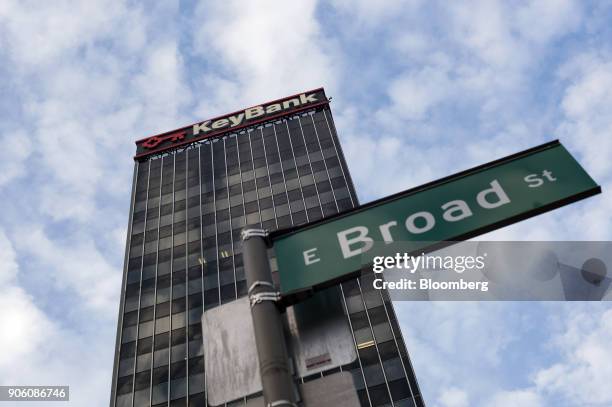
454, 208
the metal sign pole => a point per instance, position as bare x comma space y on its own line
277, 382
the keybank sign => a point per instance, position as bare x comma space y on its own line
253, 113
233, 121
454, 208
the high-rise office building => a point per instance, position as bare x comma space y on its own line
276, 165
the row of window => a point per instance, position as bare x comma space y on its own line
237, 184
221, 245
293, 201
162, 310
263, 198
249, 183
162, 340
160, 375
387, 351
219, 221
368, 356
225, 284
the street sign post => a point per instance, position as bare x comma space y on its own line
279, 388
454, 208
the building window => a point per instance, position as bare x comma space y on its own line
124, 384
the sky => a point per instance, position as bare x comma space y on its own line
421, 89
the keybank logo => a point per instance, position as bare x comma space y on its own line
242, 118
253, 113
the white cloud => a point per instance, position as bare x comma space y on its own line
268, 49
467, 345
24, 325
453, 397
413, 94
459, 344
523, 398
161, 86
583, 375
16, 148
541, 21
37, 35
75, 264
412, 43
482, 28
25, 329
73, 164
587, 106
39, 351
117, 237
373, 13
483, 57
387, 155
8, 261
92, 79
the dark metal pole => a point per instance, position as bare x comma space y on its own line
278, 385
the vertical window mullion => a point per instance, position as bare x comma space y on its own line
413, 392
297, 172
314, 127
229, 210
280, 161
365, 309
310, 165
333, 137
263, 143
243, 214
125, 282
254, 178
144, 235
171, 279
241, 179
155, 285
214, 189
343, 296
201, 252
186, 275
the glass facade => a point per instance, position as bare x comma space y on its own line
184, 257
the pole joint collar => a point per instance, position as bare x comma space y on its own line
278, 403
252, 232
260, 283
258, 298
